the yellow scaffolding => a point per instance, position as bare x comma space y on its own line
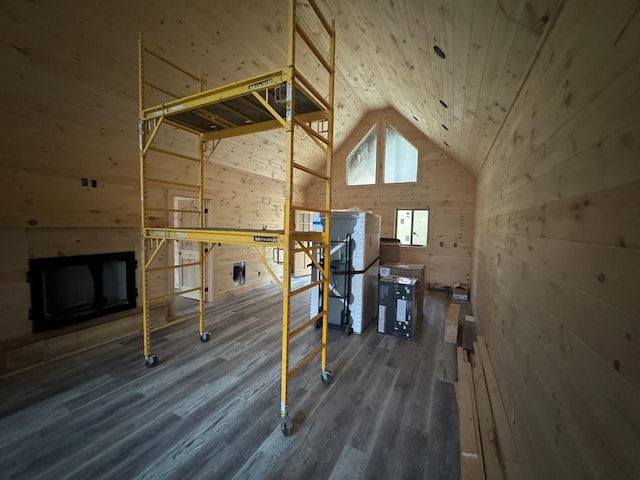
280, 99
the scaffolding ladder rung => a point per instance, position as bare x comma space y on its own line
309, 171
300, 290
311, 89
321, 17
292, 373
294, 333
174, 154
312, 46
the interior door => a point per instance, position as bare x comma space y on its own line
185, 251
301, 259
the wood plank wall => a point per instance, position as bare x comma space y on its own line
69, 96
443, 187
558, 249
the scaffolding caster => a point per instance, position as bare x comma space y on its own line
286, 425
326, 377
205, 336
151, 360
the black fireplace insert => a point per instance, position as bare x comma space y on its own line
67, 290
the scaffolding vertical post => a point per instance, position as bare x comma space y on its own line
204, 336
140, 73
150, 359
327, 229
286, 423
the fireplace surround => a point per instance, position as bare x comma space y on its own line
68, 290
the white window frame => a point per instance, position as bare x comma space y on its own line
413, 210
388, 126
372, 130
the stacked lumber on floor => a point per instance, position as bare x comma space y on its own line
487, 450
451, 323
471, 461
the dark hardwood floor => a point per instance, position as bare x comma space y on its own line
211, 410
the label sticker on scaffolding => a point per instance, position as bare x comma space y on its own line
174, 108
260, 238
289, 95
157, 233
181, 234
263, 83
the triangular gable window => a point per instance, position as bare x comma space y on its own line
400, 158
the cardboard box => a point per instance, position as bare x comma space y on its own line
411, 270
389, 250
398, 306
461, 292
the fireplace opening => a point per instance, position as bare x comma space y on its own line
67, 290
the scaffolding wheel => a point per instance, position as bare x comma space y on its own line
318, 324
151, 361
326, 377
205, 336
286, 425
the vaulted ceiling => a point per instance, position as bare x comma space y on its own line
386, 56
84, 56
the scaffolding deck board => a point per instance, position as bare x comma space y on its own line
233, 110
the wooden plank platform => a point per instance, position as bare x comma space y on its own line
471, 458
451, 323
506, 448
469, 332
488, 436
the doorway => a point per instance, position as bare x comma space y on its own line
186, 252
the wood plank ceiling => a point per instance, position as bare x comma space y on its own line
385, 58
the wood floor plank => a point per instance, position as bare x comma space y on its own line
212, 410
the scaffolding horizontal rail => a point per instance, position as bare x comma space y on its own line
264, 238
215, 95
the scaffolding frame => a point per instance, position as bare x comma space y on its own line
279, 99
